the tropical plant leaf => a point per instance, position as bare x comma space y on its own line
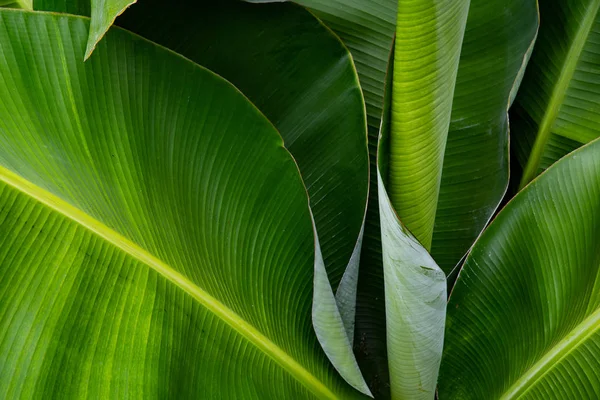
300, 75
76, 7
415, 293
475, 170
429, 36
477, 115
367, 28
146, 239
476, 161
557, 108
103, 14
494, 30
24, 4
415, 304
422, 85
524, 316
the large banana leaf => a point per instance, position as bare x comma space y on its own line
475, 172
306, 85
557, 108
429, 36
495, 30
415, 291
524, 316
301, 77
475, 169
156, 236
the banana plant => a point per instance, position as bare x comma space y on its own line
147, 196
557, 109
524, 316
184, 214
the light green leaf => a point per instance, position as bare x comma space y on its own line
156, 235
415, 290
299, 74
102, 12
524, 316
24, 4
429, 36
472, 162
422, 84
476, 162
475, 170
557, 108
415, 305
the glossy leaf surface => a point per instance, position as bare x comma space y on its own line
146, 238
558, 105
302, 78
475, 169
415, 291
429, 36
476, 155
524, 316
475, 173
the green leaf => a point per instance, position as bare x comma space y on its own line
415, 289
476, 163
429, 36
422, 84
558, 105
24, 4
495, 30
76, 7
524, 316
102, 12
367, 28
475, 169
478, 78
156, 235
415, 305
300, 75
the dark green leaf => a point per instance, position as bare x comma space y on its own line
524, 316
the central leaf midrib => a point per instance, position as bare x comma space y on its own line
578, 335
246, 330
559, 92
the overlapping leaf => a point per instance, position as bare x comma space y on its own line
103, 14
524, 316
156, 236
475, 169
25, 4
300, 75
415, 297
557, 108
